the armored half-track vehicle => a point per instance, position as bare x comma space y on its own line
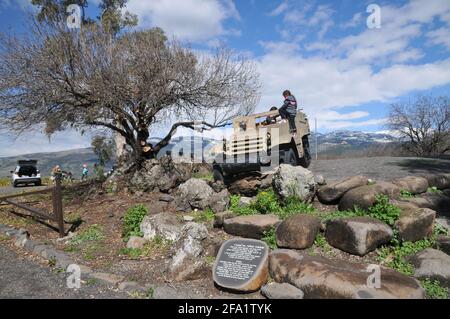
262, 142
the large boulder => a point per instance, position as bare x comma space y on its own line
297, 231
294, 181
319, 277
415, 224
435, 201
162, 175
185, 263
443, 243
365, 196
433, 264
220, 201
332, 192
164, 225
252, 226
441, 181
357, 235
412, 184
195, 193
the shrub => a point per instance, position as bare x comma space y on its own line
384, 211
269, 238
240, 210
92, 233
434, 290
406, 194
266, 202
204, 216
132, 221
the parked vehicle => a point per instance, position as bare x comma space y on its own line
26, 173
256, 139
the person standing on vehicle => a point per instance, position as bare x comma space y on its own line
289, 110
84, 172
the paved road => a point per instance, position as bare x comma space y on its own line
21, 277
383, 168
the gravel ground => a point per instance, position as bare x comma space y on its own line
6, 190
381, 168
21, 277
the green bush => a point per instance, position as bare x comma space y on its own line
439, 230
394, 256
269, 238
342, 214
132, 221
384, 211
92, 233
434, 290
406, 194
433, 189
266, 202
240, 210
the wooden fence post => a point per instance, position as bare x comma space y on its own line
57, 205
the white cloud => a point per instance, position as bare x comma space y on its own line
279, 9
191, 20
440, 36
354, 22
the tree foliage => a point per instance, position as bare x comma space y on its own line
103, 147
424, 123
136, 81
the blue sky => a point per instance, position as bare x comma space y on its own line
342, 72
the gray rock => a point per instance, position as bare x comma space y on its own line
320, 180
433, 264
365, 196
166, 198
245, 201
415, 224
357, 235
219, 202
106, 278
188, 218
297, 231
131, 286
164, 225
136, 242
441, 181
412, 184
195, 193
220, 217
252, 226
332, 192
247, 186
281, 291
294, 181
21, 240
185, 263
443, 242
319, 277
435, 201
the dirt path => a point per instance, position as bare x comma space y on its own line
21, 277
383, 168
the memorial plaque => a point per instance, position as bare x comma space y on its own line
242, 265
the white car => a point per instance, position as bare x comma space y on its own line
26, 173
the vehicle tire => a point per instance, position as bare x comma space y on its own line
290, 157
14, 184
305, 161
38, 183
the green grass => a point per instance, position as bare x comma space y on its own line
322, 243
405, 194
92, 233
434, 290
204, 216
384, 211
267, 202
269, 238
394, 256
433, 189
132, 221
156, 245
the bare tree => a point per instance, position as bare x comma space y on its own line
58, 78
424, 123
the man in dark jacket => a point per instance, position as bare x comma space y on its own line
289, 110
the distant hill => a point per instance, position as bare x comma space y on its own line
71, 160
334, 144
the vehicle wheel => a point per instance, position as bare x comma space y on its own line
38, 183
290, 157
305, 161
14, 184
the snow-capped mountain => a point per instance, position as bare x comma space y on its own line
354, 138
